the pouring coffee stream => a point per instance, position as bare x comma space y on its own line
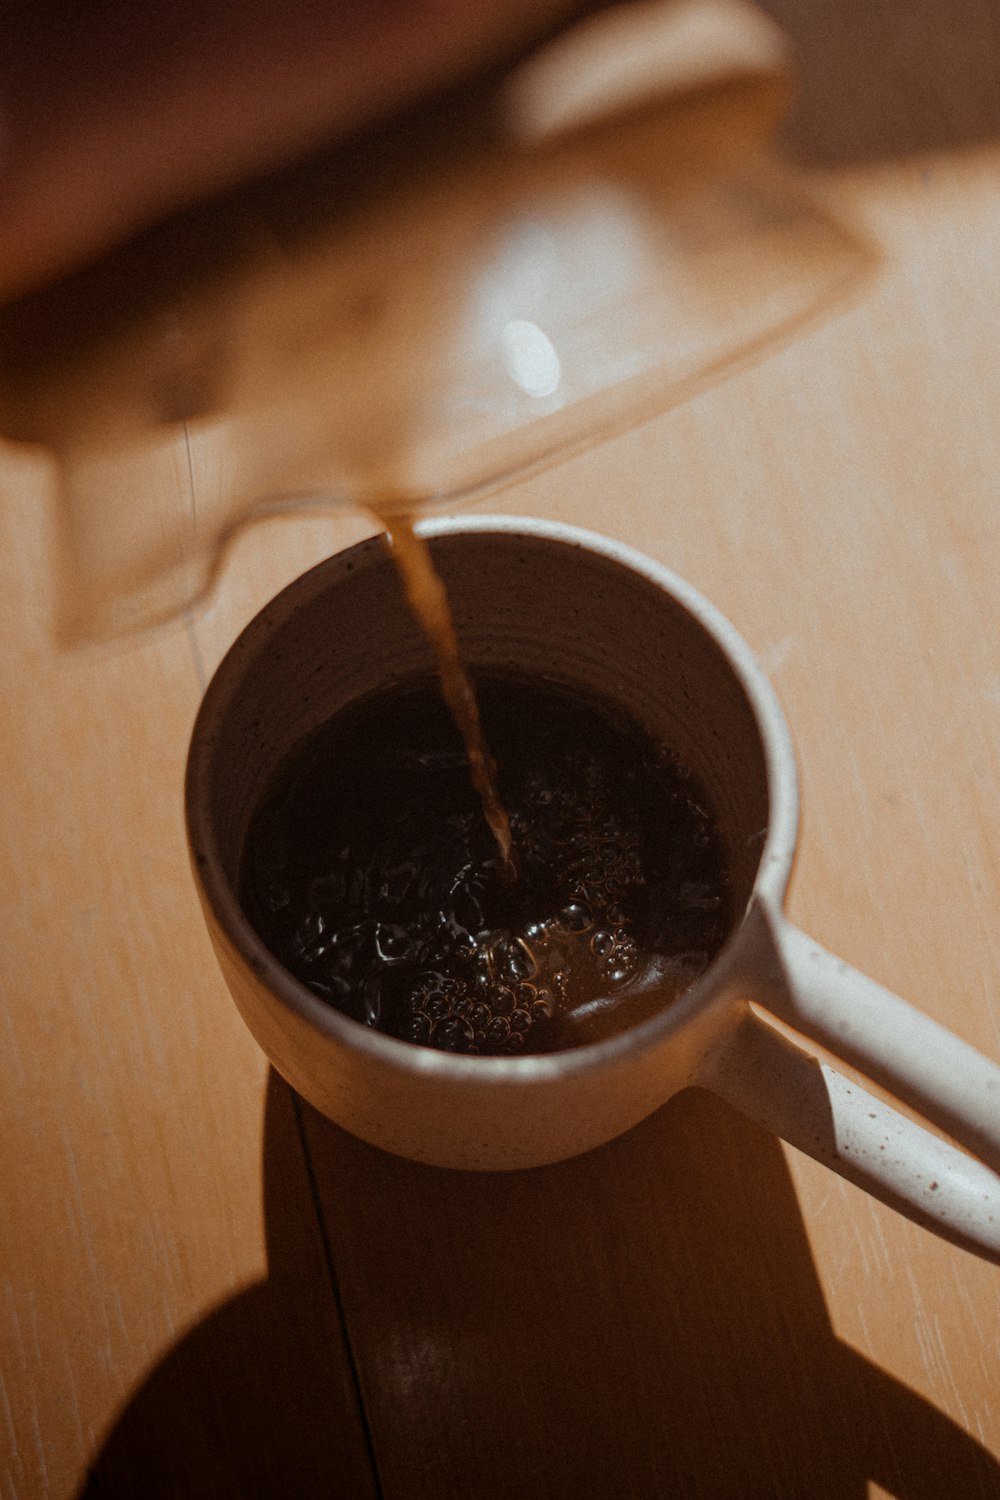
428, 601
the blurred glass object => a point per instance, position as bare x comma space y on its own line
425, 314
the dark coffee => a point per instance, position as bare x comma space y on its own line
371, 874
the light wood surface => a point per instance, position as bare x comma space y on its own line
205, 1289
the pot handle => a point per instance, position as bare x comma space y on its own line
953, 1190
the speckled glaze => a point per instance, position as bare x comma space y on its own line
549, 599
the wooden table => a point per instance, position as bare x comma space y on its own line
208, 1290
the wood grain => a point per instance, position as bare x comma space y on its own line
693, 1310
839, 502
647, 1319
135, 1242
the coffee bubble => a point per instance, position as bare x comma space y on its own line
516, 960
419, 1030
435, 1005
401, 918
454, 1035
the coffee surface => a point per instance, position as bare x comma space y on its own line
372, 876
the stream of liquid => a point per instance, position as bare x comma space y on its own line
427, 599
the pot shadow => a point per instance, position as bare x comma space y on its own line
644, 1320
255, 1399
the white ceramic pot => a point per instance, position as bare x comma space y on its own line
545, 598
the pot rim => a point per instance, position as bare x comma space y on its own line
770, 881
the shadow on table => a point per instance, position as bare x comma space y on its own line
255, 1399
880, 81
645, 1320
